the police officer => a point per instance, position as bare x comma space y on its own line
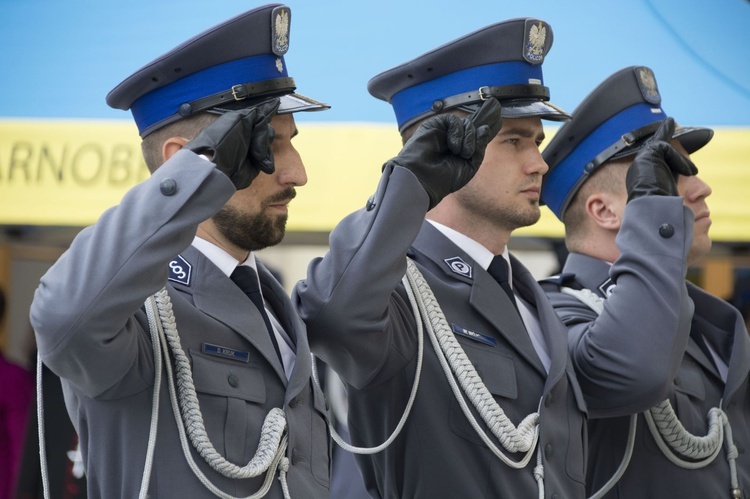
509, 346
644, 340
215, 117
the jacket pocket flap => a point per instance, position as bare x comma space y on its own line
228, 378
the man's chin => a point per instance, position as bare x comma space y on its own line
699, 249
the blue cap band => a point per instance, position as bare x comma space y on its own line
165, 101
567, 173
417, 100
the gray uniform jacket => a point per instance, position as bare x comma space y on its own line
93, 332
639, 352
360, 323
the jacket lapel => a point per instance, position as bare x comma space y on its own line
217, 296
486, 296
727, 319
287, 316
554, 331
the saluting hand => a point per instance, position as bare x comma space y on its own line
240, 143
445, 152
656, 166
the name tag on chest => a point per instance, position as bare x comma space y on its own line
225, 352
467, 333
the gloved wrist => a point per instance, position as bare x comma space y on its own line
446, 151
656, 167
239, 143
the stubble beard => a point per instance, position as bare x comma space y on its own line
509, 217
516, 218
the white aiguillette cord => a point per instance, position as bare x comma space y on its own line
273, 440
454, 361
669, 434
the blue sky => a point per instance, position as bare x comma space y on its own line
59, 59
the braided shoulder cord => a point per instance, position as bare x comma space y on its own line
413, 395
670, 435
454, 360
273, 441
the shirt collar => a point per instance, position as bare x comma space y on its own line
226, 262
481, 255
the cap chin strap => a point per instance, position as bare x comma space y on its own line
457, 366
674, 441
539, 92
503, 92
237, 93
627, 140
610, 153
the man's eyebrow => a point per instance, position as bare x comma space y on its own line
524, 132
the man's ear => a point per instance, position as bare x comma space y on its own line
605, 210
171, 146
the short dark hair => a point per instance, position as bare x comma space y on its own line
609, 177
187, 128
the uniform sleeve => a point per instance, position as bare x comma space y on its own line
357, 322
627, 357
83, 310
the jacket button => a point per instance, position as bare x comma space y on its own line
233, 380
548, 451
548, 400
666, 231
295, 457
168, 186
293, 403
370, 203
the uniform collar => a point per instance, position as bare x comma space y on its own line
480, 254
223, 260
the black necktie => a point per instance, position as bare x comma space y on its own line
247, 280
499, 270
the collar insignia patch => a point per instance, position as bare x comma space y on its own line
458, 266
180, 271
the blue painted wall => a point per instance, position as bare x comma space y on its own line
60, 58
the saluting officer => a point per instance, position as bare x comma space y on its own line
650, 349
215, 117
507, 347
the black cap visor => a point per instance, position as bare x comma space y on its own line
289, 103
526, 108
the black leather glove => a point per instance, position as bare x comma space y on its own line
445, 152
239, 143
656, 166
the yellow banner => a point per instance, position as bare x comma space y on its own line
67, 172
